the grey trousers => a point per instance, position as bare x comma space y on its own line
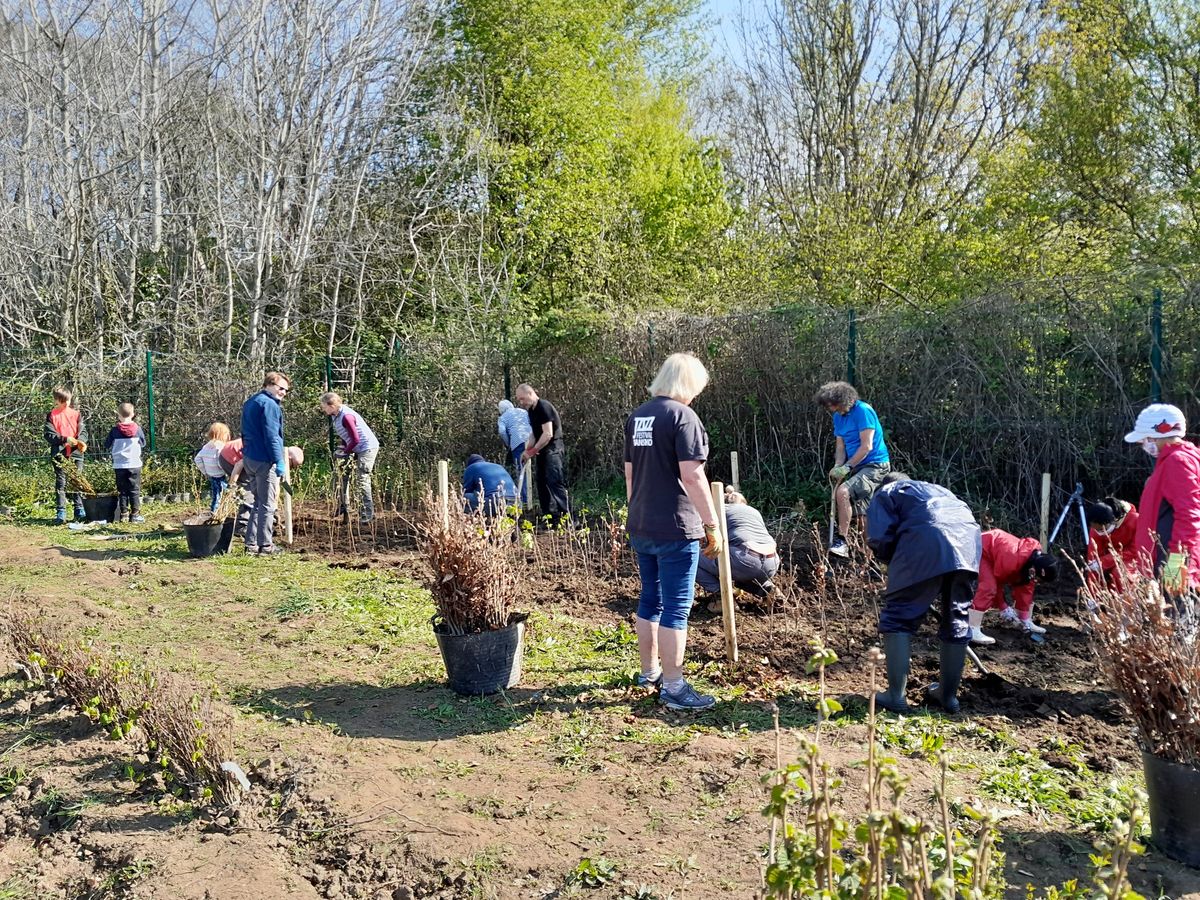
264, 484
744, 566
364, 463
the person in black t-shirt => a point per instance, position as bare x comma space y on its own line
546, 443
671, 522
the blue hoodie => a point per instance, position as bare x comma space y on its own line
262, 428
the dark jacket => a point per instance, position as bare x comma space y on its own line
921, 530
262, 428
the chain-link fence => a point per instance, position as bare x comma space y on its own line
982, 396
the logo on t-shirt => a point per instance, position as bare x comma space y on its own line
643, 431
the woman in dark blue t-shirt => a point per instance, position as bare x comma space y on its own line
671, 521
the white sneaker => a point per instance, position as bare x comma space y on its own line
1009, 616
978, 637
1030, 628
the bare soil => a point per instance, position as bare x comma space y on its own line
369, 787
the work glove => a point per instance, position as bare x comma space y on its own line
279, 469
1174, 573
711, 545
529, 454
839, 473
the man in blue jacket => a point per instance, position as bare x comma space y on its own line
931, 543
488, 484
262, 459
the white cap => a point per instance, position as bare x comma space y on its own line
1158, 420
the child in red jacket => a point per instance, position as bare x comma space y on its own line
1111, 552
67, 436
1017, 563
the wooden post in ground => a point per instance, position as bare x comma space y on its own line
733, 471
726, 575
444, 491
527, 481
287, 499
1045, 511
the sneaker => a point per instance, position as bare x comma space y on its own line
978, 637
1009, 616
839, 547
650, 681
273, 550
685, 698
137, 520
1030, 628
60, 517
80, 514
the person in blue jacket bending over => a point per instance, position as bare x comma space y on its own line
488, 484
931, 543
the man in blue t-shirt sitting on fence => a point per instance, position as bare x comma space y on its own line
860, 460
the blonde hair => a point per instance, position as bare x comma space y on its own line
62, 395
331, 398
218, 431
125, 411
275, 378
732, 496
682, 377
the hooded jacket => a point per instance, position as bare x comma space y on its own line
921, 530
1003, 563
1169, 511
1118, 544
126, 440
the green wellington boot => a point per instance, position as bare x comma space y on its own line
897, 646
944, 692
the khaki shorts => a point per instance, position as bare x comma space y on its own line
863, 484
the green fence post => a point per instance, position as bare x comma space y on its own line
852, 348
1156, 337
153, 440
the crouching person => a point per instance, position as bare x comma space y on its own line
487, 487
1018, 564
931, 543
753, 556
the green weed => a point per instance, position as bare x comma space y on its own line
593, 873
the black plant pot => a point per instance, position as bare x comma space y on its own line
486, 662
206, 540
100, 507
1174, 792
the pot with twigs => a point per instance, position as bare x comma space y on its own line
474, 586
1147, 645
96, 507
209, 532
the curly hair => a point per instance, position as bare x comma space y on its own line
836, 393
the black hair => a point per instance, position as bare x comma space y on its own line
1102, 512
893, 477
1044, 566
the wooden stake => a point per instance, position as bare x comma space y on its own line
1045, 511
733, 470
444, 490
527, 481
731, 647
287, 499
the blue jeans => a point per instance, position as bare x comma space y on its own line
216, 487
668, 570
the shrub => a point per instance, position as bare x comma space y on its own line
1146, 644
188, 734
474, 585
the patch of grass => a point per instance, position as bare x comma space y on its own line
16, 888
120, 881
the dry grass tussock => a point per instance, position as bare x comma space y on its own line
1147, 646
188, 733
474, 583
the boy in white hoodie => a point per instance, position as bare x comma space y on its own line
125, 441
